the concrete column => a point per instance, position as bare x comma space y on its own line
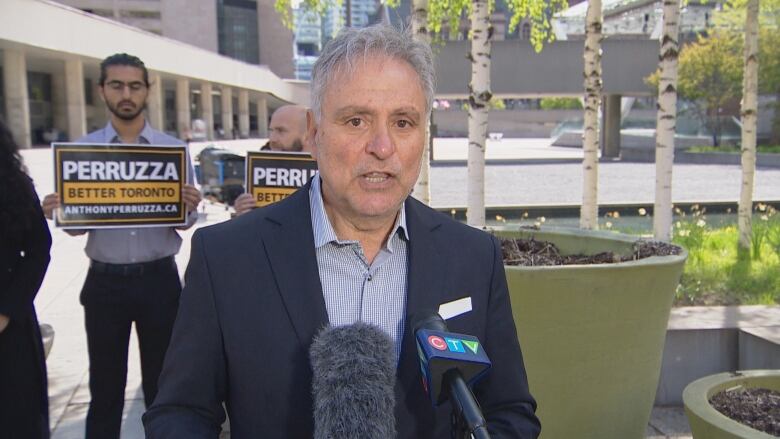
59, 101
17, 103
155, 103
207, 108
74, 99
227, 111
243, 113
183, 118
610, 126
262, 116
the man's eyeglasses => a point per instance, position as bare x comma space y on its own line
119, 86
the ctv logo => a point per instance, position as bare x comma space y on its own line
453, 344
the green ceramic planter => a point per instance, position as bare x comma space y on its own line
708, 423
593, 335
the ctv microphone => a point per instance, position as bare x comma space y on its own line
353, 382
448, 362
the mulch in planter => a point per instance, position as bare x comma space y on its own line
757, 408
530, 252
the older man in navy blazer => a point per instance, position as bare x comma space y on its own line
351, 246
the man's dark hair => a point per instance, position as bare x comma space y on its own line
122, 59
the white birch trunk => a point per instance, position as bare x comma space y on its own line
749, 122
422, 190
666, 117
590, 130
479, 100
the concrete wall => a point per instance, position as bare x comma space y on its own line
512, 123
758, 348
276, 41
516, 70
692, 354
191, 21
702, 341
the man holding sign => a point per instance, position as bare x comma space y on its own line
132, 275
288, 131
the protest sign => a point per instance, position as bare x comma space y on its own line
272, 176
119, 185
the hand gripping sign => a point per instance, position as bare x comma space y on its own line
119, 185
273, 176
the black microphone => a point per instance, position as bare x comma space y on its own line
448, 362
353, 382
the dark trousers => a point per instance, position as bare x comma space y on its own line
112, 301
24, 407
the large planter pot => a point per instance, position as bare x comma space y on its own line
593, 335
708, 423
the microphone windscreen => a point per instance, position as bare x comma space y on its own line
353, 382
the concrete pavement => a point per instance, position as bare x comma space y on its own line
517, 183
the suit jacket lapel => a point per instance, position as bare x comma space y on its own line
426, 271
289, 243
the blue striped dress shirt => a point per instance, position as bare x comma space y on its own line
135, 244
355, 290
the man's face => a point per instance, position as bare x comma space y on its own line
287, 129
124, 91
369, 141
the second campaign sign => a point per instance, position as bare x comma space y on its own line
115, 185
272, 176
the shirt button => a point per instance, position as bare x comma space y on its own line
132, 259
132, 233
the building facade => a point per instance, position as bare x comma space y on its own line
49, 79
247, 30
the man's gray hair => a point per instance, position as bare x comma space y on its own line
351, 44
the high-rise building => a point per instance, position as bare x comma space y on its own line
308, 42
237, 30
363, 13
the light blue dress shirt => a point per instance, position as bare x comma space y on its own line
137, 244
355, 290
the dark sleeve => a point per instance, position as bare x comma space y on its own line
507, 404
192, 383
16, 299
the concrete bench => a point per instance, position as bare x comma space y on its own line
702, 341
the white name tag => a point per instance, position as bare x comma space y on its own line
455, 308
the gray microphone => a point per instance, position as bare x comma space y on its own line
353, 382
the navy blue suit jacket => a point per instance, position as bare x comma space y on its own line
252, 303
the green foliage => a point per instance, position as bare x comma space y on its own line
716, 274
690, 229
560, 104
765, 229
319, 7
710, 76
449, 12
539, 14
763, 149
495, 104
732, 15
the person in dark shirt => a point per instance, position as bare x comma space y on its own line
24, 257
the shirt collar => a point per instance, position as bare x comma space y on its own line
145, 137
323, 230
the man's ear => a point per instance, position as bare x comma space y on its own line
311, 132
102, 93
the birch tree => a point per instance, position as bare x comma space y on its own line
538, 12
590, 131
479, 101
422, 189
749, 124
666, 117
